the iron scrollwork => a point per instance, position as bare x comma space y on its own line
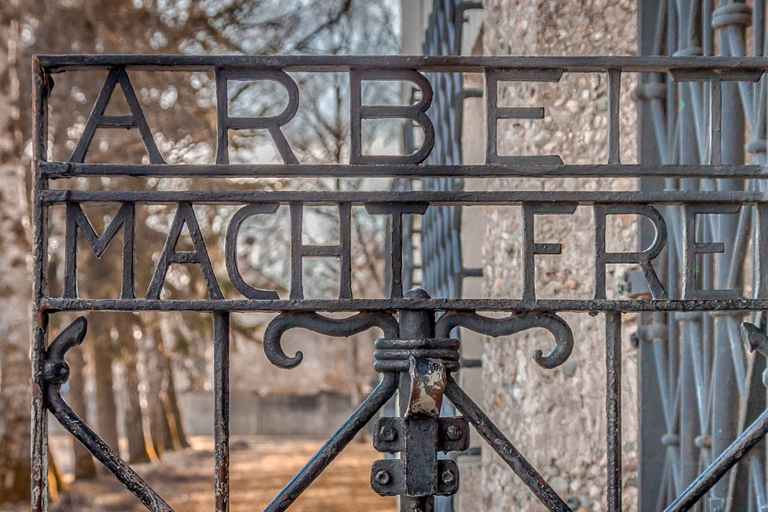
55, 373
512, 325
323, 325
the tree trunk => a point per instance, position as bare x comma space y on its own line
139, 449
85, 469
56, 484
15, 465
177, 426
159, 429
15, 318
106, 408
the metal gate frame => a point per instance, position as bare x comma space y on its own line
417, 355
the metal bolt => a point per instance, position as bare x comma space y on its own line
453, 432
387, 433
448, 476
383, 477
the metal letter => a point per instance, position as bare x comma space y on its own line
415, 112
76, 218
492, 79
230, 248
97, 119
530, 247
643, 259
271, 124
342, 251
184, 215
692, 248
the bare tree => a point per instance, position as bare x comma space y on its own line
255, 27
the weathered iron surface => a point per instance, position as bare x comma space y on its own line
419, 350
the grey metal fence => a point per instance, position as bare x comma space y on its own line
696, 376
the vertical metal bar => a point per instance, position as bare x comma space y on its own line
39, 433
39, 417
614, 116
613, 407
345, 251
726, 399
715, 123
689, 414
297, 261
221, 409
651, 143
414, 324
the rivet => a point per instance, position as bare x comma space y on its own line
453, 432
383, 477
448, 476
387, 433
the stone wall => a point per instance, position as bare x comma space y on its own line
316, 416
557, 417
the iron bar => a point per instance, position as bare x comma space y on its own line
340, 439
39, 434
614, 131
506, 450
721, 465
421, 198
448, 64
414, 325
361, 305
613, 407
221, 409
60, 170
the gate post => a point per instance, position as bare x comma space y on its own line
415, 325
418, 433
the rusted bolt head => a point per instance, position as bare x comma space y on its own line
387, 433
56, 372
383, 477
448, 476
453, 432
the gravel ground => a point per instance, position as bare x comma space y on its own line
260, 467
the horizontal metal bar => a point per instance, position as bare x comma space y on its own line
69, 170
410, 197
53, 304
468, 64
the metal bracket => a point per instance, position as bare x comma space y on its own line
452, 435
388, 478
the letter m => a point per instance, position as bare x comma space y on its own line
76, 220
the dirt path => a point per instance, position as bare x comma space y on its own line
259, 469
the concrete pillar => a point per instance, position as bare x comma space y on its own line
556, 418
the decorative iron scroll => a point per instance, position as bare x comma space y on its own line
416, 354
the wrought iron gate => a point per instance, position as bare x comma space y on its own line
416, 355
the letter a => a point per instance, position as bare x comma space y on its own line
97, 119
